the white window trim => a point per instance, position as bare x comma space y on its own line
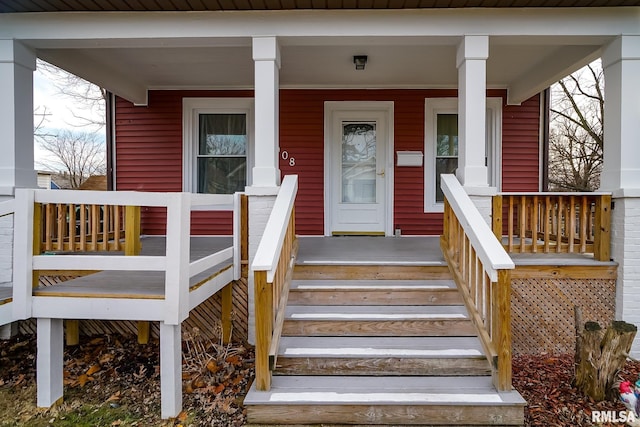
191, 108
434, 106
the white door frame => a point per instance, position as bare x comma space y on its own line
330, 107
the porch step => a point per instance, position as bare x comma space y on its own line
374, 292
431, 271
440, 400
380, 356
316, 320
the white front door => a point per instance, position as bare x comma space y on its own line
358, 182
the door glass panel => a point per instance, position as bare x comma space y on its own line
358, 162
446, 148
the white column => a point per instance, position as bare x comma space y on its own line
621, 170
49, 362
170, 370
17, 64
266, 55
471, 60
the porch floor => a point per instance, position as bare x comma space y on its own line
414, 250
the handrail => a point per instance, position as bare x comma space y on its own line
175, 262
266, 258
273, 270
553, 222
481, 269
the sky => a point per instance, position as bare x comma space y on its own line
59, 110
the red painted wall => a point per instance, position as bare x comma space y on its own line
149, 152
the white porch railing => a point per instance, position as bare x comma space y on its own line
214, 272
482, 271
273, 268
7, 207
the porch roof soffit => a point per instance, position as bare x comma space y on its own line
9, 6
130, 53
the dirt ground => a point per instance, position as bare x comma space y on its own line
114, 381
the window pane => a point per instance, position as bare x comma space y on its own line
223, 134
221, 175
444, 166
358, 162
447, 138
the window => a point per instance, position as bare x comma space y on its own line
441, 145
217, 144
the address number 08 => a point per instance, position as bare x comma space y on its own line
285, 156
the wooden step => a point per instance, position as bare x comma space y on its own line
435, 271
378, 356
444, 320
374, 292
384, 400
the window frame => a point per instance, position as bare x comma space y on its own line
191, 110
493, 149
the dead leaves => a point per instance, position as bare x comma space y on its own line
545, 382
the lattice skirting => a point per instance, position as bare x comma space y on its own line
205, 317
542, 311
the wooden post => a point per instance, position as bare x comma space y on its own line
501, 335
496, 216
264, 329
37, 240
602, 237
170, 370
49, 362
132, 231
132, 248
72, 332
445, 238
227, 307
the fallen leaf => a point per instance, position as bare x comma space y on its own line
82, 379
182, 416
198, 382
92, 370
117, 423
218, 388
234, 360
95, 341
114, 396
213, 367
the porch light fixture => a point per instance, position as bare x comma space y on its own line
360, 61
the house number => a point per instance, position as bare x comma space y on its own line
285, 156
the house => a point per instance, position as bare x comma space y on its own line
45, 180
368, 104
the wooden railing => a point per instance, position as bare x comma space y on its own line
273, 268
482, 271
554, 222
68, 227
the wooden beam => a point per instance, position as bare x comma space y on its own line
132, 230
143, 332
225, 312
37, 240
502, 329
496, 216
72, 332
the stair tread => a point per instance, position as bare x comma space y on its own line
381, 313
383, 390
363, 347
336, 284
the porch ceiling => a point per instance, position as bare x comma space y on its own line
131, 53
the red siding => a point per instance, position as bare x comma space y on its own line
521, 146
149, 155
149, 152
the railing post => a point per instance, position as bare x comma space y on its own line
446, 225
264, 328
602, 233
496, 216
501, 331
132, 230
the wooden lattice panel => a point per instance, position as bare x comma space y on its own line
542, 311
205, 317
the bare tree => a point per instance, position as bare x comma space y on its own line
78, 154
576, 131
87, 97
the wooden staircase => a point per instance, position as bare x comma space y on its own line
380, 345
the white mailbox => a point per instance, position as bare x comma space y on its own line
409, 158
